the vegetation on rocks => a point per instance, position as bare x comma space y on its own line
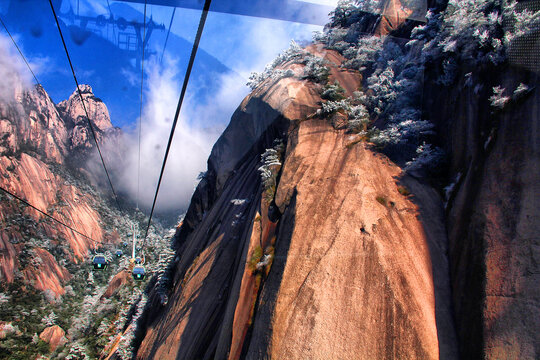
476, 34
271, 163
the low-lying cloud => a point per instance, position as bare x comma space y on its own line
13, 71
192, 142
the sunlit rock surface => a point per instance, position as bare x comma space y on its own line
37, 140
54, 336
352, 268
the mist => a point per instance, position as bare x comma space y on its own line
192, 142
13, 71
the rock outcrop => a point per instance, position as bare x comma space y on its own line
492, 216
54, 336
116, 283
97, 110
393, 16
38, 142
336, 264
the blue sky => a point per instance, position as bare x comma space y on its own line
230, 43
231, 48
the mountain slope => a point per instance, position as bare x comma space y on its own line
293, 276
37, 143
49, 295
343, 246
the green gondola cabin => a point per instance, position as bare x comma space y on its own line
138, 273
99, 262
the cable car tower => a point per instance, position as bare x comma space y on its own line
126, 35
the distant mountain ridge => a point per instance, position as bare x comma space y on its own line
38, 144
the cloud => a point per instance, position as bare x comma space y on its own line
14, 74
130, 75
193, 138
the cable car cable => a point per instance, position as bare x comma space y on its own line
178, 108
92, 131
167, 37
20, 52
47, 215
140, 108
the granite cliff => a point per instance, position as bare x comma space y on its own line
39, 142
371, 198
335, 263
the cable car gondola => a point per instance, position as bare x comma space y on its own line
138, 273
99, 262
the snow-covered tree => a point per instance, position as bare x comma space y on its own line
49, 320
521, 90
331, 107
402, 132
294, 53
271, 162
163, 272
333, 92
363, 53
427, 157
125, 348
4, 298
90, 279
315, 69
77, 351
498, 100
358, 118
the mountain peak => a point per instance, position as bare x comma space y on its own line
97, 110
85, 89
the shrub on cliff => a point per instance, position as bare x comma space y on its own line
293, 53
498, 100
363, 53
271, 163
315, 68
333, 92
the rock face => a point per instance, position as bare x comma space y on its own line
97, 110
493, 216
33, 121
336, 264
393, 16
116, 283
54, 336
356, 278
38, 142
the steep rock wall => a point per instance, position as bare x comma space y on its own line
492, 221
352, 274
37, 141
